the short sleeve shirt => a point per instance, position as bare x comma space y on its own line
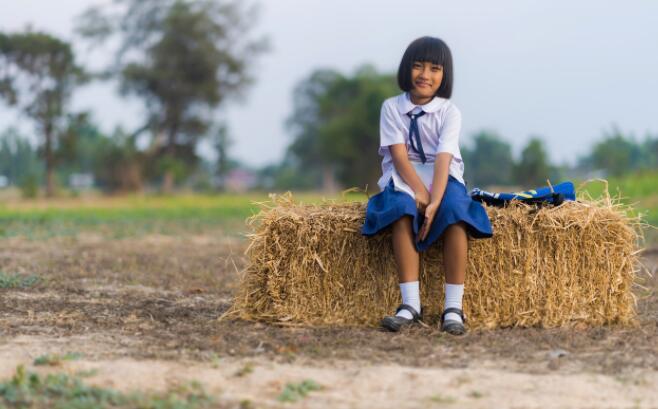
439, 132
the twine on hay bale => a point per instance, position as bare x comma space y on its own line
548, 267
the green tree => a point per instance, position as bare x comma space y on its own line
305, 153
38, 74
222, 143
80, 145
183, 59
616, 154
489, 161
335, 125
120, 165
533, 168
650, 150
18, 159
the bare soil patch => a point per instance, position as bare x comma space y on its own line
155, 301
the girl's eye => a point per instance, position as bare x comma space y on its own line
437, 68
417, 65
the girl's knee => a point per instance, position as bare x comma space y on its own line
403, 225
403, 221
457, 229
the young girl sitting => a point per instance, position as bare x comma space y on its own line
423, 194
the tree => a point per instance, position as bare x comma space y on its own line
533, 168
650, 151
80, 145
335, 125
489, 162
222, 142
18, 159
120, 166
183, 59
616, 154
38, 74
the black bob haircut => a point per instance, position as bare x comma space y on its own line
427, 49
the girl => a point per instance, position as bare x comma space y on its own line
423, 194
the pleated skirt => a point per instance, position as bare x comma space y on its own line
456, 206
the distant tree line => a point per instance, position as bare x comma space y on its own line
184, 60
335, 138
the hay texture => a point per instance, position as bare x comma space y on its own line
547, 267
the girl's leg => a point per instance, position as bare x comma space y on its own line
408, 263
406, 256
455, 249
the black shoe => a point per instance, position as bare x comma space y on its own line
395, 323
452, 326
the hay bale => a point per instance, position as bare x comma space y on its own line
548, 267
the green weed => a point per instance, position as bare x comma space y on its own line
476, 394
297, 391
17, 280
245, 370
31, 390
56, 359
438, 398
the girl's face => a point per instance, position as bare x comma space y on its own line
426, 79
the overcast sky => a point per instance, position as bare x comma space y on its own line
563, 70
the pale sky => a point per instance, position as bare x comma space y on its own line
563, 70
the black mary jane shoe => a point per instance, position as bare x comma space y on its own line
453, 327
395, 323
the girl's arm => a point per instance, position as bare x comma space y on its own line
409, 175
439, 183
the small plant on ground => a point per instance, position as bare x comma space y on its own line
56, 359
245, 370
31, 390
438, 398
17, 280
476, 394
297, 391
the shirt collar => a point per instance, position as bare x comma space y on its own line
405, 105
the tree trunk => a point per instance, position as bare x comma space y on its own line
329, 184
50, 163
168, 182
170, 153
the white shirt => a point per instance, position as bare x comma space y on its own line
439, 132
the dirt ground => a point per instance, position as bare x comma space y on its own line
143, 312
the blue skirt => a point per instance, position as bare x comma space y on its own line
456, 206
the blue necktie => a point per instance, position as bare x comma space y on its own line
414, 135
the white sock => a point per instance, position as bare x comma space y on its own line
454, 295
410, 296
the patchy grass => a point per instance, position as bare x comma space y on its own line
129, 216
31, 390
294, 392
638, 190
56, 359
245, 370
443, 399
8, 280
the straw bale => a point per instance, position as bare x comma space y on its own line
548, 267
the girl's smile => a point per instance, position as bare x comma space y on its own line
426, 78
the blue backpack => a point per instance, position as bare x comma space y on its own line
547, 195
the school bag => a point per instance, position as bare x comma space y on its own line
548, 195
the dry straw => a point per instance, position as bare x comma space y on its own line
548, 267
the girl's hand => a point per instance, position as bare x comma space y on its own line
422, 200
430, 213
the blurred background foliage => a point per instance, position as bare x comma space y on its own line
186, 61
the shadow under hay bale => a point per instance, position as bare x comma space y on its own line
548, 267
